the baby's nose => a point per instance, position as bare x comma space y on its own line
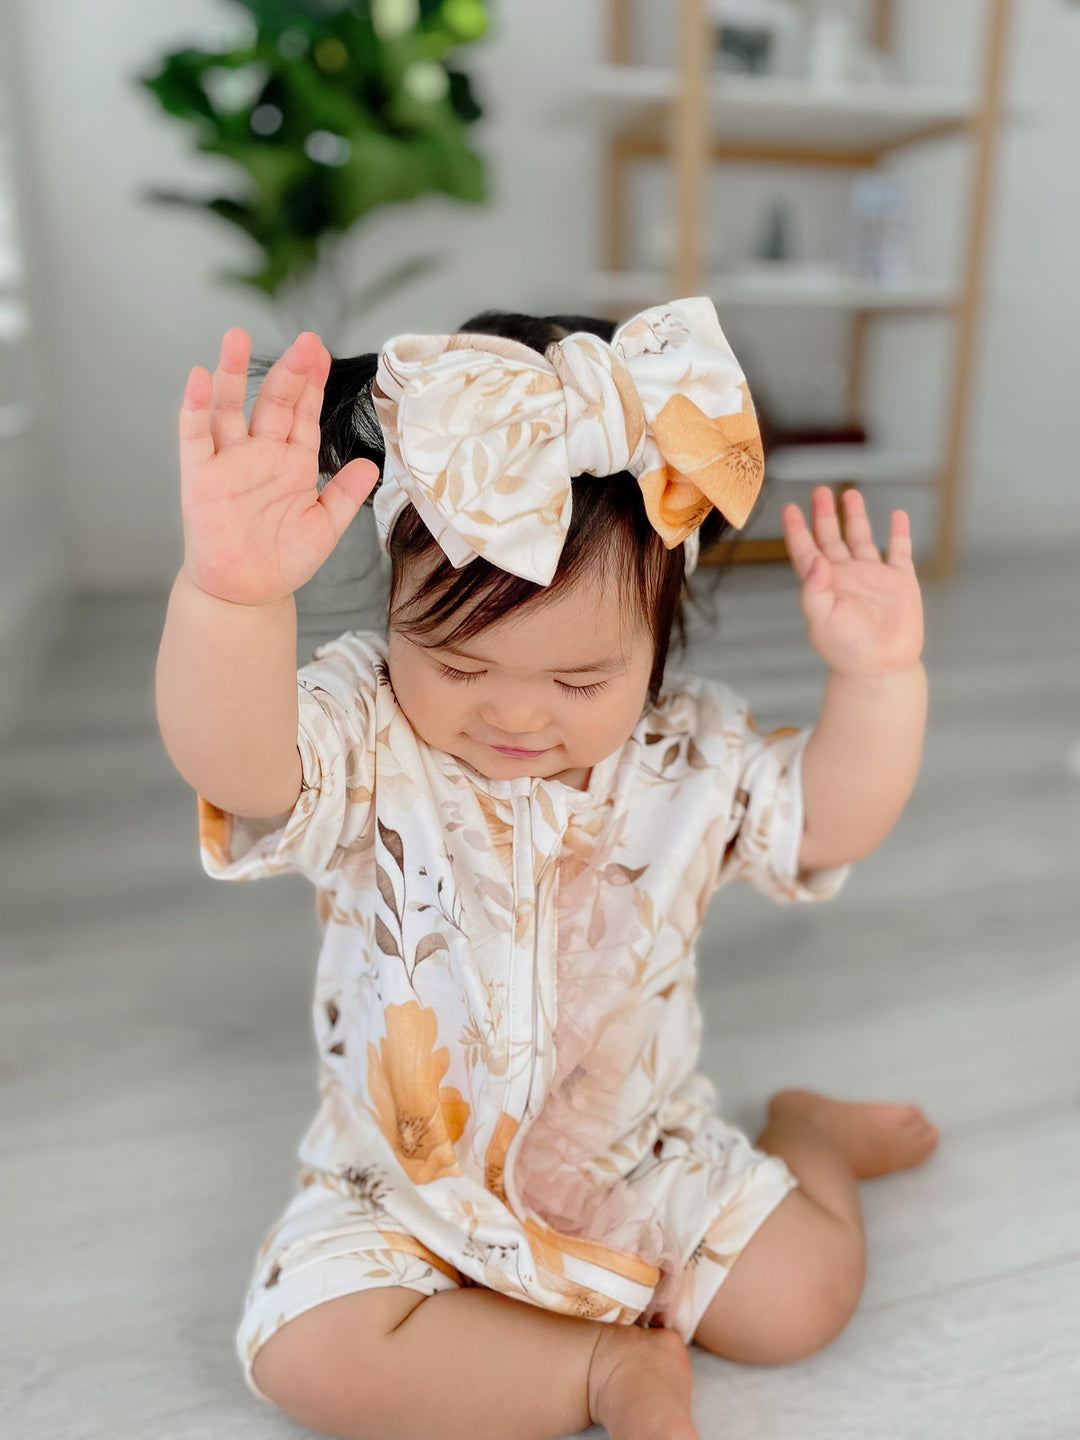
516, 717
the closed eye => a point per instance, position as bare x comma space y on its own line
585, 691
463, 675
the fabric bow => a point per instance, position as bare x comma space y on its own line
483, 434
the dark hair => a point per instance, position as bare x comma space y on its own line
609, 529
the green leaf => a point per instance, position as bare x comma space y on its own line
177, 86
464, 102
399, 147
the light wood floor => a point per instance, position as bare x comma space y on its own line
156, 1069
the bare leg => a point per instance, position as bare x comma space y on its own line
472, 1365
796, 1285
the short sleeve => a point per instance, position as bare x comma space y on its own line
762, 777
767, 829
336, 701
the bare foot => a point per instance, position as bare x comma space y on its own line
875, 1137
639, 1384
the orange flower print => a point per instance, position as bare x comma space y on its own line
495, 1159
420, 1119
214, 827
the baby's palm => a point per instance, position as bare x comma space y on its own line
255, 526
863, 612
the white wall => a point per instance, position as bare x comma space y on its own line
35, 546
131, 300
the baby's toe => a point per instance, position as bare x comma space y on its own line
912, 1117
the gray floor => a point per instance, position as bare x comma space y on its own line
156, 1070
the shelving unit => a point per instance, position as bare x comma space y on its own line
849, 126
692, 117
824, 292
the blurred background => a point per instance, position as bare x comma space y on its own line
883, 199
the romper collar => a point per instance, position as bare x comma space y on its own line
525, 786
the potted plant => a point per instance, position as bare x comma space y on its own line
329, 109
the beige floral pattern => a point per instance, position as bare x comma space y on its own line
504, 1005
483, 434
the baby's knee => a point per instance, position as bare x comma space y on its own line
831, 1300
776, 1313
826, 1299
326, 1368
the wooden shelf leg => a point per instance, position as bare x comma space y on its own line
856, 390
984, 131
690, 147
618, 163
881, 29
620, 32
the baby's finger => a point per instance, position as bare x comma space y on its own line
227, 423
827, 525
305, 427
899, 553
274, 410
800, 542
342, 496
859, 536
196, 442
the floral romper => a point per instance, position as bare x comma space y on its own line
504, 1007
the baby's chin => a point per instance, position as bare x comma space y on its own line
554, 764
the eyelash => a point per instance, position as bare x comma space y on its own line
587, 692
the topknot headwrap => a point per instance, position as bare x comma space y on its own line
483, 434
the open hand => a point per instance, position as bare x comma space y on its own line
863, 612
256, 526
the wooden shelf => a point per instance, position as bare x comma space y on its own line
832, 465
756, 115
795, 289
727, 552
688, 116
849, 465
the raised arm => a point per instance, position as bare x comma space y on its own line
864, 616
255, 529
226, 699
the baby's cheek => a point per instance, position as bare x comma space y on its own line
607, 732
415, 699
439, 719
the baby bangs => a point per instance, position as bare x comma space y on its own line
609, 539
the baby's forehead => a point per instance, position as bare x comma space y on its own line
588, 626
591, 659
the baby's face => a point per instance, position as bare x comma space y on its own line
549, 691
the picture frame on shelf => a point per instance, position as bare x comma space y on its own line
757, 37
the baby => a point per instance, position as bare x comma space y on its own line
517, 1204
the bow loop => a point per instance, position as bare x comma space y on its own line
476, 439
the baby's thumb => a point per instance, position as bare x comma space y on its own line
346, 492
